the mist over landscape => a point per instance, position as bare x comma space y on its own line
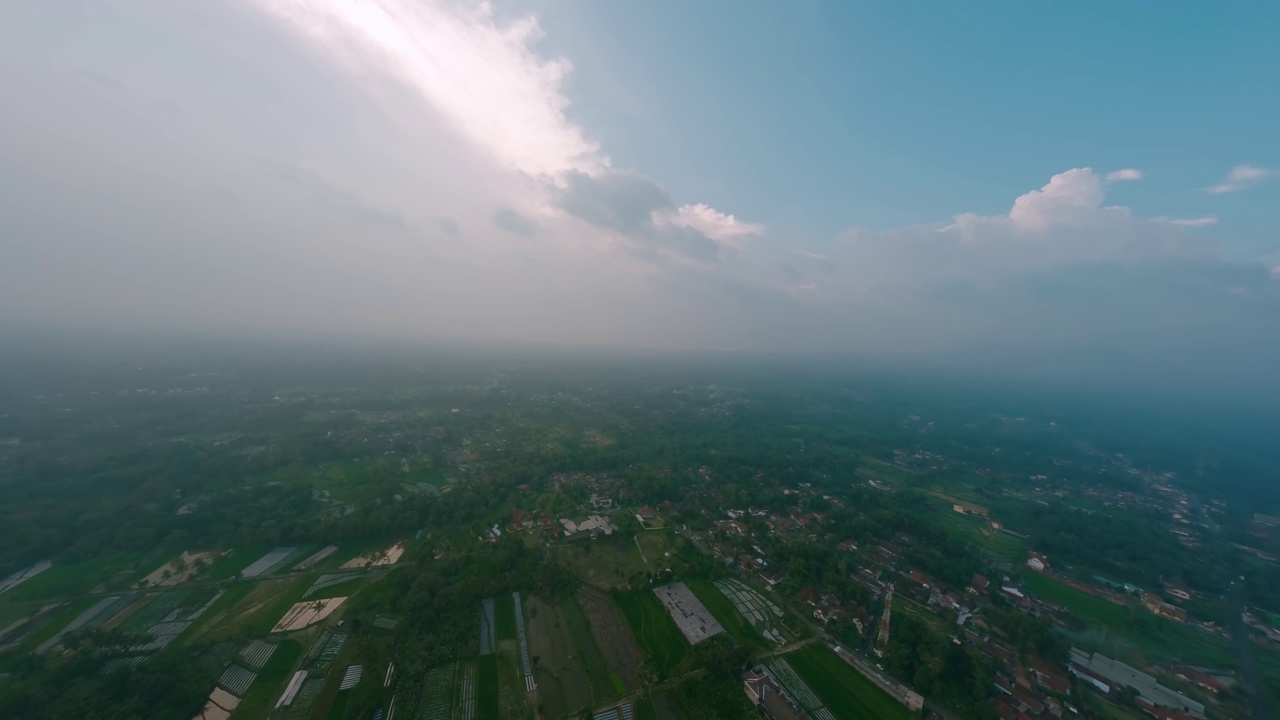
377, 359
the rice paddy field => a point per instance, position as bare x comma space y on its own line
842, 689
487, 687
504, 609
656, 633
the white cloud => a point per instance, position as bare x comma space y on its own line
724, 229
1125, 175
485, 77
1068, 197
1061, 265
1186, 222
488, 80
1240, 177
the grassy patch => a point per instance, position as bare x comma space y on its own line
655, 631
645, 711
652, 546
844, 691
271, 681
504, 616
1090, 608
1135, 626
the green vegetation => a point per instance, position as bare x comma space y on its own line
654, 630
218, 611
57, 622
848, 479
487, 688
1134, 625
645, 710
842, 689
66, 579
1089, 608
504, 616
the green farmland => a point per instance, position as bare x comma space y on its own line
504, 616
654, 629
1134, 626
487, 688
844, 691
603, 685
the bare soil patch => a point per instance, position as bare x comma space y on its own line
563, 683
612, 634
178, 570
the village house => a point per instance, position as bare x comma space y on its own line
1037, 562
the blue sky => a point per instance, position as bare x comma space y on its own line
886, 114
1064, 178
